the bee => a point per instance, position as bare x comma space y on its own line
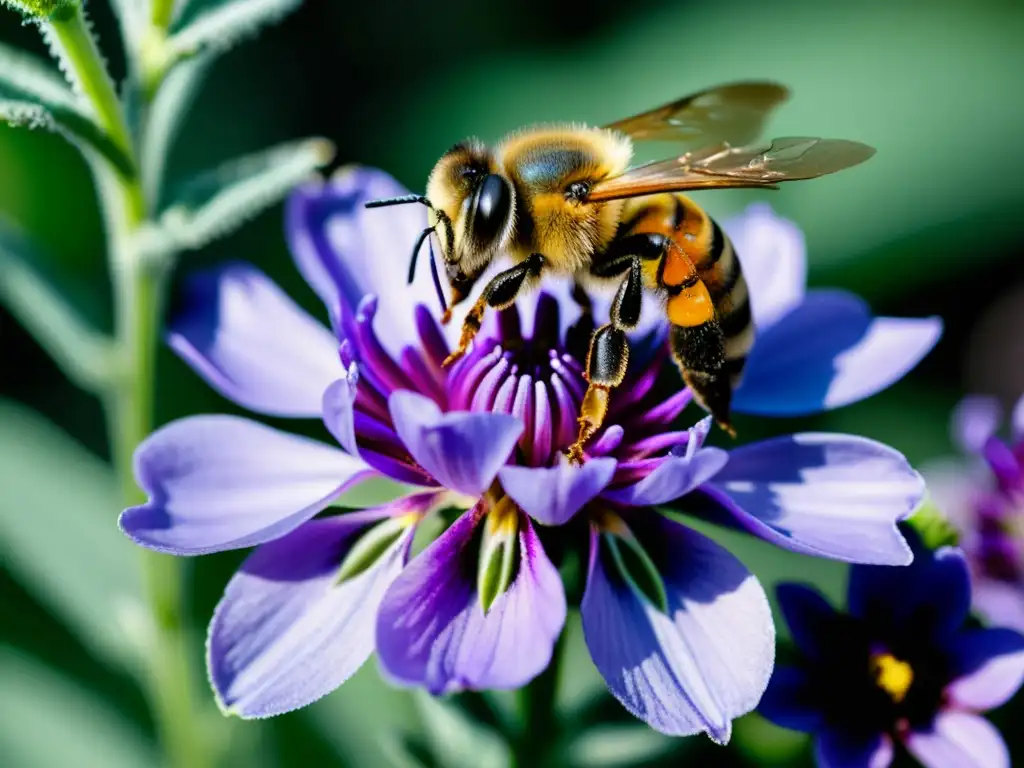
563, 200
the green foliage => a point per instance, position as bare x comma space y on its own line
42, 9
219, 26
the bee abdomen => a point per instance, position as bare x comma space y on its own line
720, 270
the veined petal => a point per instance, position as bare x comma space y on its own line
552, 495
461, 450
975, 419
828, 352
346, 251
791, 700
989, 668
224, 482
932, 595
838, 748
959, 740
698, 666
773, 255
286, 631
431, 630
836, 496
253, 344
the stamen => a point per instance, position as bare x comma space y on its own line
891, 675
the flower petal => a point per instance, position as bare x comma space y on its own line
339, 410
224, 482
431, 630
676, 476
346, 251
792, 701
809, 616
253, 344
286, 632
829, 352
975, 419
703, 663
463, 451
989, 667
959, 740
1000, 602
552, 495
931, 596
773, 255
1017, 419
836, 748
836, 496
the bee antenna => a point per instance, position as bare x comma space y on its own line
437, 277
416, 252
401, 200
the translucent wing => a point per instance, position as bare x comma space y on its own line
733, 113
722, 166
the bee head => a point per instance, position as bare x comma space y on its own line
473, 210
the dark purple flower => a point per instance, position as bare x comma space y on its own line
900, 668
984, 499
679, 628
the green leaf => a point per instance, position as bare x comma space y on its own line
47, 720
220, 27
34, 95
457, 740
617, 746
59, 536
220, 201
41, 9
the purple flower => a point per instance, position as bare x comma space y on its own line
679, 628
985, 502
899, 668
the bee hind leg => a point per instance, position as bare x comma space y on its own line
608, 358
501, 292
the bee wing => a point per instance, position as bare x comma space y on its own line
734, 113
722, 166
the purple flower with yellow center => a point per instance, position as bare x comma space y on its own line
679, 629
899, 670
984, 499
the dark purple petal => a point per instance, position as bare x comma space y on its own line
839, 748
703, 663
224, 482
253, 344
932, 594
988, 667
773, 256
286, 632
810, 618
829, 352
975, 419
552, 495
346, 251
836, 496
432, 632
792, 700
462, 451
959, 740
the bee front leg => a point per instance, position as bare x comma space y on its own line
501, 292
608, 358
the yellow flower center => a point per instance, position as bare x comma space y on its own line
892, 675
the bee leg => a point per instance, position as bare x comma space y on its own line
608, 358
499, 293
577, 338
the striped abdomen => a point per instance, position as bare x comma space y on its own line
706, 298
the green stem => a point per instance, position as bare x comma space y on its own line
538, 716
128, 400
162, 13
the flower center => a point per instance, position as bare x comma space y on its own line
891, 675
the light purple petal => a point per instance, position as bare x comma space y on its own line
346, 251
1017, 419
705, 662
338, 410
836, 496
1001, 603
959, 740
828, 352
432, 632
552, 495
253, 344
837, 748
224, 482
773, 256
462, 451
286, 632
975, 419
990, 668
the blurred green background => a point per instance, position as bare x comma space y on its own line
930, 226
